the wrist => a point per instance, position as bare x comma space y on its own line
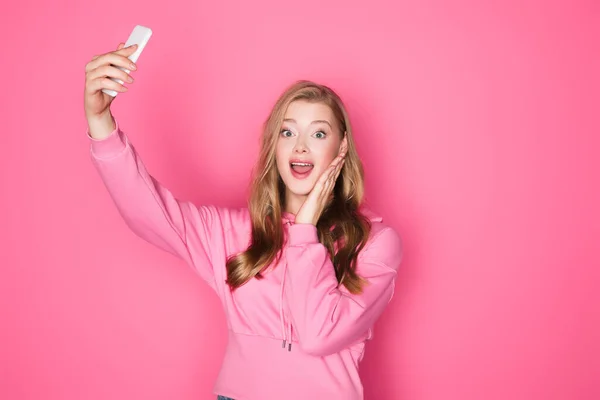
100, 126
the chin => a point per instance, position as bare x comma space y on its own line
298, 188
299, 192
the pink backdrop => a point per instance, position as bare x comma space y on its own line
478, 126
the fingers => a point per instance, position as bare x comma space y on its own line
104, 66
337, 161
104, 83
328, 173
329, 178
110, 72
326, 182
336, 166
336, 173
330, 183
116, 58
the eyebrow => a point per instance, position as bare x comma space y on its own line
322, 121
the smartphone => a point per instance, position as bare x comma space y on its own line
140, 35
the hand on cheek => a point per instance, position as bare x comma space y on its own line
315, 203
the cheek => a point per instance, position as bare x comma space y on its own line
326, 154
282, 157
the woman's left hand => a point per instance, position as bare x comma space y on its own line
319, 196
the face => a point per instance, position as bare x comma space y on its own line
308, 141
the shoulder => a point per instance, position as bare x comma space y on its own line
225, 219
236, 218
384, 244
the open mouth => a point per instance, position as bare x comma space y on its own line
301, 170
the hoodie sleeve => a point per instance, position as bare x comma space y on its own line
149, 209
326, 318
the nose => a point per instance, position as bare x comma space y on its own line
300, 146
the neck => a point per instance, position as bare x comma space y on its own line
293, 202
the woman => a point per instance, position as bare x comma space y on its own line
303, 273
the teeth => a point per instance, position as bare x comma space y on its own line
301, 164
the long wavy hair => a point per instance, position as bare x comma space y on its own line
342, 228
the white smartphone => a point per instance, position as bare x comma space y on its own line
140, 36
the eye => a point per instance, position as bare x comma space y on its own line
320, 135
286, 133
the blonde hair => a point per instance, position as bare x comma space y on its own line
342, 229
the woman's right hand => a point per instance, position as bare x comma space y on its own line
97, 77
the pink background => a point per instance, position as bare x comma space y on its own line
478, 126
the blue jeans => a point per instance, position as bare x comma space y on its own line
224, 398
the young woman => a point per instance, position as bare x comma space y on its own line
303, 273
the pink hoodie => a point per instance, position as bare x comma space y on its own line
295, 334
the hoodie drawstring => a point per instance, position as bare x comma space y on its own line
283, 331
287, 334
290, 336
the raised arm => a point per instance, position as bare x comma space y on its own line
148, 208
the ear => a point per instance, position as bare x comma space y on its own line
344, 144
